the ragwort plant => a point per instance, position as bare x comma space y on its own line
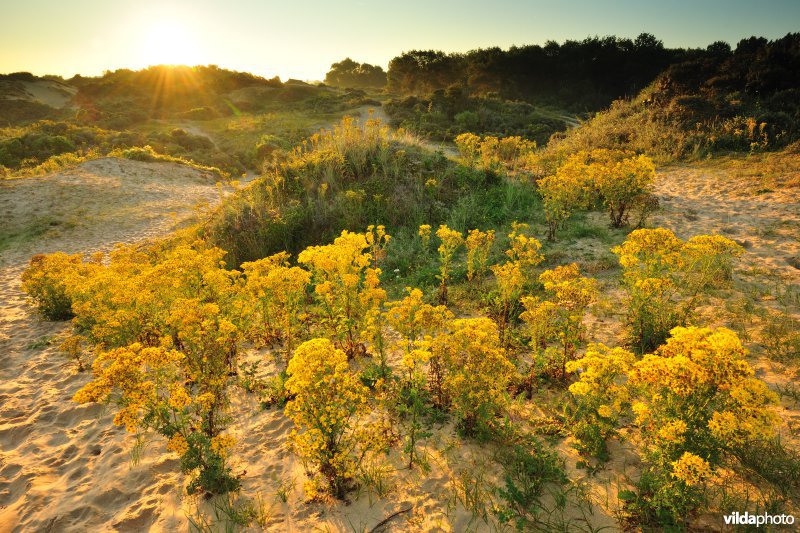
623, 182
514, 276
600, 397
492, 154
46, 281
277, 300
153, 390
163, 327
558, 318
417, 323
450, 241
565, 192
475, 373
479, 244
346, 288
697, 400
666, 278
328, 402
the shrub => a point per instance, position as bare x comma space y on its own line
622, 183
328, 401
666, 277
160, 323
47, 281
416, 322
566, 191
698, 399
209, 341
491, 153
559, 318
476, 373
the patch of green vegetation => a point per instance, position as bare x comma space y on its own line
745, 100
205, 116
447, 113
13, 237
353, 177
40, 343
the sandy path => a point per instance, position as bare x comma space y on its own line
64, 466
713, 200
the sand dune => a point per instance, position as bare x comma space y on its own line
48, 92
65, 467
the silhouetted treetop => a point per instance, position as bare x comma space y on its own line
349, 73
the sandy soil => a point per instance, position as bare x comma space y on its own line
766, 221
65, 467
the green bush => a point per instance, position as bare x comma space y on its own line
45, 282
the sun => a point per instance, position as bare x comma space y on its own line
168, 42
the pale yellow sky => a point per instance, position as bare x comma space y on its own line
302, 39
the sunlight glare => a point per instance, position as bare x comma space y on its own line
169, 42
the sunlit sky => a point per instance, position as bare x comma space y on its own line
300, 39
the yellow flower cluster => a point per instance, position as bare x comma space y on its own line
328, 399
490, 153
346, 285
691, 469
450, 241
564, 192
600, 395
276, 306
479, 243
48, 282
514, 274
602, 370
416, 322
524, 249
476, 371
425, 233
377, 239
222, 444
621, 179
665, 277
139, 374
697, 388
177, 443
559, 318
